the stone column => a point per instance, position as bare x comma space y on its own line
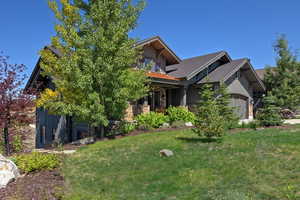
250, 111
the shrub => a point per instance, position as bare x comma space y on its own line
17, 143
1, 147
36, 161
127, 127
253, 125
269, 115
209, 121
151, 120
179, 124
180, 114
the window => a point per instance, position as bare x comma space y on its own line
149, 63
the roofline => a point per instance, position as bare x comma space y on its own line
165, 81
37, 68
256, 75
199, 69
246, 61
33, 75
150, 40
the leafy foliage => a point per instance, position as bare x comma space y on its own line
93, 75
269, 115
36, 161
180, 114
209, 121
151, 120
15, 102
127, 127
283, 81
17, 143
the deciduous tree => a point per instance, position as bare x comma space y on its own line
14, 101
93, 76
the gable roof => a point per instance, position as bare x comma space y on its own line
261, 73
160, 44
190, 67
223, 72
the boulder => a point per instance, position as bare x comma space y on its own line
165, 125
166, 152
189, 124
8, 171
287, 114
88, 140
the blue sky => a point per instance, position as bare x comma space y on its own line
245, 28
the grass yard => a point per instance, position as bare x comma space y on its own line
254, 165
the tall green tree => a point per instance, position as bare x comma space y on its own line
94, 75
209, 120
269, 114
283, 81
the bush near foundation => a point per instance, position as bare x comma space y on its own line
180, 114
151, 120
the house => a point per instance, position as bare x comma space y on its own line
174, 82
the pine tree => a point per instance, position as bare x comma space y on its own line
283, 81
269, 115
209, 120
94, 76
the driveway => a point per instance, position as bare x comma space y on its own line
292, 121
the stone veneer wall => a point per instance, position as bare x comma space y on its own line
134, 110
29, 131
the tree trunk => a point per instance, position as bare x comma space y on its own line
6, 139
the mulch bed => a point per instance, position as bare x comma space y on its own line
35, 186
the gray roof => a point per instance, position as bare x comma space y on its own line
54, 50
222, 72
191, 65
261, 73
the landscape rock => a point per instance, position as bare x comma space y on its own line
88, 140
165, 125
8, 171
189, 124
166, 152
287, 114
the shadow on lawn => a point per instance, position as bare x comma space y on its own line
198, 139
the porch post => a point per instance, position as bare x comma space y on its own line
184, 96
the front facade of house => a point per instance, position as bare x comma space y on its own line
174, 82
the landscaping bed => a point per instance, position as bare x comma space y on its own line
46, 185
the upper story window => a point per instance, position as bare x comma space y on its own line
150, 64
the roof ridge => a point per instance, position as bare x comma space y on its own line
217, 52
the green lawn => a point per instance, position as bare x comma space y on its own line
249, 165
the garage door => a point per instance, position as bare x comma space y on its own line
240, 104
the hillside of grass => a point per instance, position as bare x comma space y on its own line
252, 165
